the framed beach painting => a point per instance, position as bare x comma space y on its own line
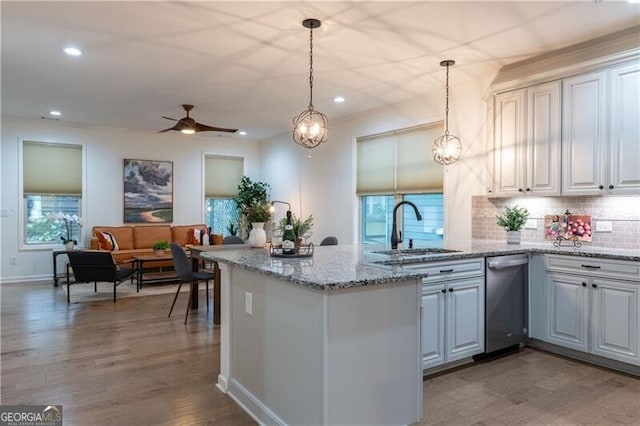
148, 191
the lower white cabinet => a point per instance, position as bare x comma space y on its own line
452, 320
593, 311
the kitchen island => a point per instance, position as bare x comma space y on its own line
329, 339
334, 338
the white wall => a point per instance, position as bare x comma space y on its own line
324, 184
105, 150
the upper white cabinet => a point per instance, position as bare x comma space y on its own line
600, 132
527, 141
568, 122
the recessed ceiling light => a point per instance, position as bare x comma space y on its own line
56, 113
242, 133
72, 51
338, 99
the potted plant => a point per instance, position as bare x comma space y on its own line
513, 220
257, 214
160, 246
249, 193
301, 227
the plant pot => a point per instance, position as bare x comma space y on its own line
257, 236
69, 246
514, 237
160, 252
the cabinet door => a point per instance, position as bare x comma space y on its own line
432, 326
465, 318
624, 173
614, 324
567, 310
584, 116
543, 139
509, 128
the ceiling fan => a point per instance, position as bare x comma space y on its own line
188, 125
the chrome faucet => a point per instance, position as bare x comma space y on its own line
395, 239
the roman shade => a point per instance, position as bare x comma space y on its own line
222, 175
398, 162
52, 168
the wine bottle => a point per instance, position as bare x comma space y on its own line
288, 237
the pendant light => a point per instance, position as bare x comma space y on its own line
447, 148
310, 126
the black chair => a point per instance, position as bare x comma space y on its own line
185, 273
329, 241
232, 239
94, 266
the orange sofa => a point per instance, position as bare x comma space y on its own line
135, 240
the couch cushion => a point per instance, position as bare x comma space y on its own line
183, 234
122, 234
145, 236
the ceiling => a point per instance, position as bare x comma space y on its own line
246, 64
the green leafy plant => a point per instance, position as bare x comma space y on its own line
160, 245
513, 218
232, 229
300, 226
250, 193
258, 212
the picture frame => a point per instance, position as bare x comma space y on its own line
148, 191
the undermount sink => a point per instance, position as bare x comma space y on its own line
415, 251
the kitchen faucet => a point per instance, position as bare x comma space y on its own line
394, 229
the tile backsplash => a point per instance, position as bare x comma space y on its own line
622, 211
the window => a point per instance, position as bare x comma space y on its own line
398, 166
222, 177
51, 184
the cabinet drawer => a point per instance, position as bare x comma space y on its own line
450, 270
594, 267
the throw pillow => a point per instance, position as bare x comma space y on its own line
106, 241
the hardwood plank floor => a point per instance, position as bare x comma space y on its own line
128, 364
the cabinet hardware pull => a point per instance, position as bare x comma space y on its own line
610, 186
594, 285
451, 290
444, 271
443, 290
600, 187
519, 189
591, 266
584, 284
527, 189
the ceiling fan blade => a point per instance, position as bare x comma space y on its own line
169, 118
176, 127
205, 128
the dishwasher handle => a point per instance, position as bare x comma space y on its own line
502, 264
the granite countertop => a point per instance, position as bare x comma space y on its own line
345, 266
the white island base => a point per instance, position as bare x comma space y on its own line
305, 356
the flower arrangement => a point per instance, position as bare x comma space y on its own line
68, 220
160, 245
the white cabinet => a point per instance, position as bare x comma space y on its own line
452, 312
600, 132
527, 141
593, 306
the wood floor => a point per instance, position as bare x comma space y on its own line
128, 364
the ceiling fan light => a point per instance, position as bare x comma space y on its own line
187, 131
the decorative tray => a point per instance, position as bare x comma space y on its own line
303, 250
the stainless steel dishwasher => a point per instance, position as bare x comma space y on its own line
506, 303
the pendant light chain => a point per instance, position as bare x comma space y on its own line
311, 68
446, 109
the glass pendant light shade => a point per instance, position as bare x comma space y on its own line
447, 148
310, 127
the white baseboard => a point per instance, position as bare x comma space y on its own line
254, 407
28, 279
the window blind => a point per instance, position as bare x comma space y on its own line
222, 175
51, 168
398, 162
